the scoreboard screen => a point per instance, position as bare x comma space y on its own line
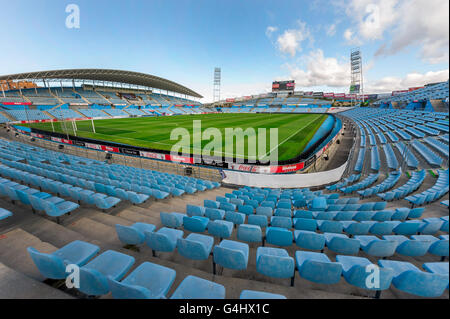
283, 86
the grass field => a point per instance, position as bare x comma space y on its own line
294, 130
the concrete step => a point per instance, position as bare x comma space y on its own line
14, 254
110, 220
15, 285
94, 230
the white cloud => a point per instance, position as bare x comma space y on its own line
350, 37
290, 41
421, 23
392, 83
270, 30
331, 30
320, 71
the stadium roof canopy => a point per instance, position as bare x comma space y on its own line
105, 75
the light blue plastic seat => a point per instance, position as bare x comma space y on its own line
318, 204
341, 244
374, 246
268, 203
211, 204
214, 213
409, 247
409, 227
354, 228
252, 202
279, 236
134, 234
160, 194
284, 205
381, 228
440, 268
305, 224
283, 212
192, 210
249, 233
439, 246
228, 206
430, 226
383, 215
235, 218
401, 214
303, 214
195, 224
330, 226
416, 212
164, 239
246, 209
94, 275
324, 215
252, 294
231, 254
53, 265
364, 215
147, 281
356, 272
259, 220
345, 216
195, 246
283, 222
172, 220
105, 202
236, 201
59, 209
274, 262
317, 267
309, 240
221, 199
136, 198
266, 211
410, 279
4, 213
197, 288
220, 228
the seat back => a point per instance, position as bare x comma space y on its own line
345, 246
194, 224
50, 266
192, 249
266, 211
275, 266
381, 248
321, 272
279, 236
23, 197
219, 229
230, 258
249, 233
129, 235
120, 290
169, 220
92, 282
413, 248
192, 210
309, 240
159, 242
421, 283
359, 276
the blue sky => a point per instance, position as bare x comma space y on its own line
404, 43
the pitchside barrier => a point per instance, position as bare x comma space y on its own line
317, 150
284, 181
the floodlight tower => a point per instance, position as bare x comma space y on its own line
356, 83
217, 79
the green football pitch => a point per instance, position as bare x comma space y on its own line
294, 131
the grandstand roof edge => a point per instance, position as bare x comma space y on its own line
120, 76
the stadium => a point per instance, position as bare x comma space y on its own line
113, 173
